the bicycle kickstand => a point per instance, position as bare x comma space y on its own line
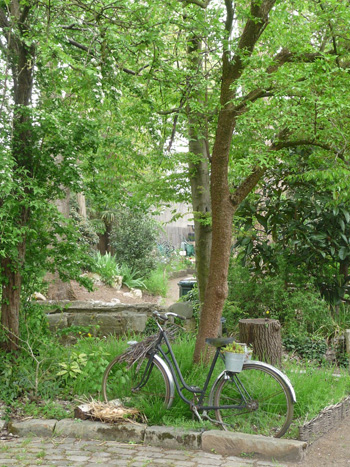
195, 411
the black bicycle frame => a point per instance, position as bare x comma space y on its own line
176, 373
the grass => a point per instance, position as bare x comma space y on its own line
157, 281
316, 387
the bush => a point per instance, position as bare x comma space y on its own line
308, 348
133, 239
157, 281
106, 266
300, 311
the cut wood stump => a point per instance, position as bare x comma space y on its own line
264, 335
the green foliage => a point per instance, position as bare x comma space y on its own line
156, 281
234, 347
72, 368
106, 266
308, 348
132, 277
133, 239
315, 387
87, 228
297, 231
299, 310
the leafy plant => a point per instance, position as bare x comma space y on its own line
106, 266
309, 348
73, 367
133, 239
156, 282
234, 347
300, 311
131, 277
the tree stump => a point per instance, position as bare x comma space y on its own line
265, 337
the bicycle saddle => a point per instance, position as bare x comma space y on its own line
219, 341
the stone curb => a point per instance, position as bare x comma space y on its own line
217, 441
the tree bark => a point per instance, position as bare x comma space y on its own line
222, 216
199, 172
21, 61
265, 337
11, 299
224, 204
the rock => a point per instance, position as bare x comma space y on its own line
184, 309
57, 321
38, 296
134, 293
86, 429
172, 437
117, 282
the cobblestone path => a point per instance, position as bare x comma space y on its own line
43, 452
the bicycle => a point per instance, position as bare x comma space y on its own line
259, 399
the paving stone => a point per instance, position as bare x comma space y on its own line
32, 427
229, 443
86, 429
170, 437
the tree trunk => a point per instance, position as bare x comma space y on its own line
11, 299
200, 189
199, 169
21, 62
265, 337
222, 216
224, 204
82, 205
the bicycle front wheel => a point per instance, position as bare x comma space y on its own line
137, 386
260, 401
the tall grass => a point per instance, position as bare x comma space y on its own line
157, 281
316, 387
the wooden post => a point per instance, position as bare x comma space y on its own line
265, 337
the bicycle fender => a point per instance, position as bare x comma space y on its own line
169, 375
264, 365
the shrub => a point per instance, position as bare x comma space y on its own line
133, 239
131, 277
157, 281
106, 266
299, 310
308, 348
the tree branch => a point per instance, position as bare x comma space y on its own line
247, 186
285, 56
243, 190
301, 142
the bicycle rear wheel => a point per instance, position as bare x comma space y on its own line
138, 385
262, 402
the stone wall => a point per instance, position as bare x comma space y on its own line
106, 318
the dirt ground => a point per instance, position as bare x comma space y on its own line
332, 449
108, 294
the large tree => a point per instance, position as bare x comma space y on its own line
283, 84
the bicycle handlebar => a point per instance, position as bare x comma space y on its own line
165, 316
